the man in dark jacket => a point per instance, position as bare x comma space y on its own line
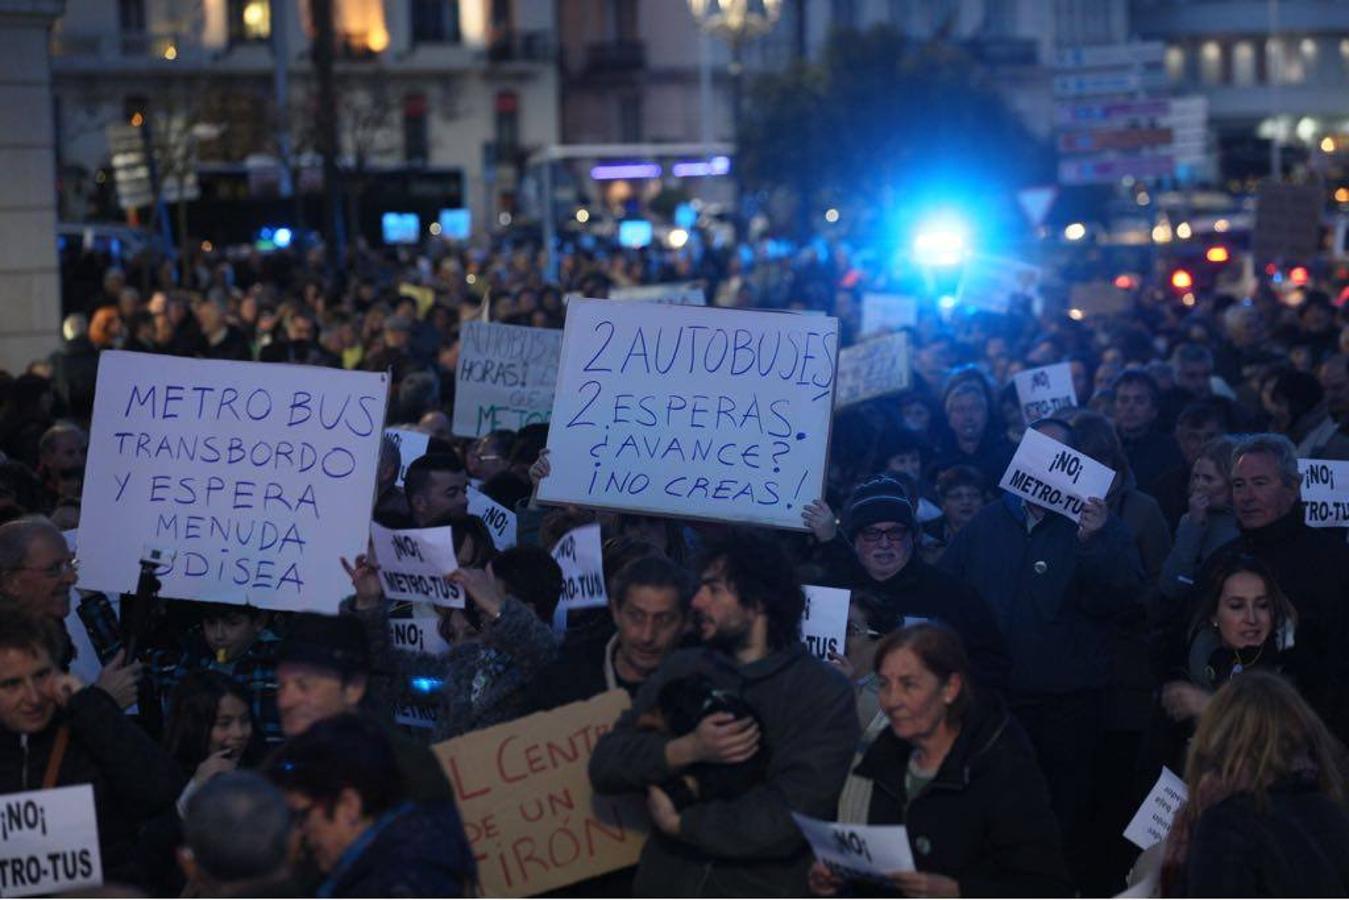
880, 560
649, 601
973, 441
56, 732
1151, 452
1056, 587
741, 842
353, 814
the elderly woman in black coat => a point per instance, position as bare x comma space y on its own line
959, 773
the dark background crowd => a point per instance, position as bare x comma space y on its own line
1012, 684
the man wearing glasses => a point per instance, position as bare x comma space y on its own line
875, 555
37, 572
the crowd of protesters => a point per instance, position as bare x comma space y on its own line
1012, 684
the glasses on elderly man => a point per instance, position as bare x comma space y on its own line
874, 535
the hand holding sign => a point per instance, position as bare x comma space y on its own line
364, 577
1094, 514
482, 590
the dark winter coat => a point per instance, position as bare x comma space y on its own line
984, 820
1296, 847
1056, 599
1151, 455
747, 846
420, 852
132, 777
922, 591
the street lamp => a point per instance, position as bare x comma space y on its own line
735, 21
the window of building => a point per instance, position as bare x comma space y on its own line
625, 20
1243, 64
1344, 54
1175, 63
131, 16
1284, 67
844, 14
630, 118
250, 20
435, 22
416, 135
502, 15
135, 108
1211, 62
507, 124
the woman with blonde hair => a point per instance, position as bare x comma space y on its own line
1266, 814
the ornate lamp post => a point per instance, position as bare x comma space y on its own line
736, 21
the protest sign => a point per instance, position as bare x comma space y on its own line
1151, 824
824, 626
1287, 222
990, 282
411, 446
1098, 298
580, 554
676, 294
867, 852
505, 377
695, 412
1325, 492
888, 312
499, 520
49, 842
1044, 391
873, 369
1054, 475
253, 478
414, 563
415, 627
531, 816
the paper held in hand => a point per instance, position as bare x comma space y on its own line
867, 852
49, 842
1325, 492
1044, 391
1151, 824
1055, 476
413, 564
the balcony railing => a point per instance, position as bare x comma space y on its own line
127, 45
521, 46
615, 56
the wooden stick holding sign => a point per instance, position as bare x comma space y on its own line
414, 564
1325, 492
1044, 391
49, 842
864, 852
1055, 476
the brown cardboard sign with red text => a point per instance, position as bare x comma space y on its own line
528, 808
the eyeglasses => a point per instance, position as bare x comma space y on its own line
69, 565
875, 535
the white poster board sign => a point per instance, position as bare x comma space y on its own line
505, 377
1044, 391
866, 852
502, 522
411, 447
888, 312
414, 563
990, 282
676, 294
580, 554
1054, 475
1151, 824
824, 627
873, 369
693, 412
49, 842
255, 477
1325, 492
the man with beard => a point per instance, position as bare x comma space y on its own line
796, 708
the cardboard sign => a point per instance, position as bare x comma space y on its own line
675, 294
1054, 475
580, 554
888, 312
824, 626
505, 377
414, 563
1044, 391
694, 412
49, 842
873, 369
863, 852
531, 816
1325, 492
1099, 298
1287, 222
1151, 824
990, 282
411, 447
503, 523
254, 477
